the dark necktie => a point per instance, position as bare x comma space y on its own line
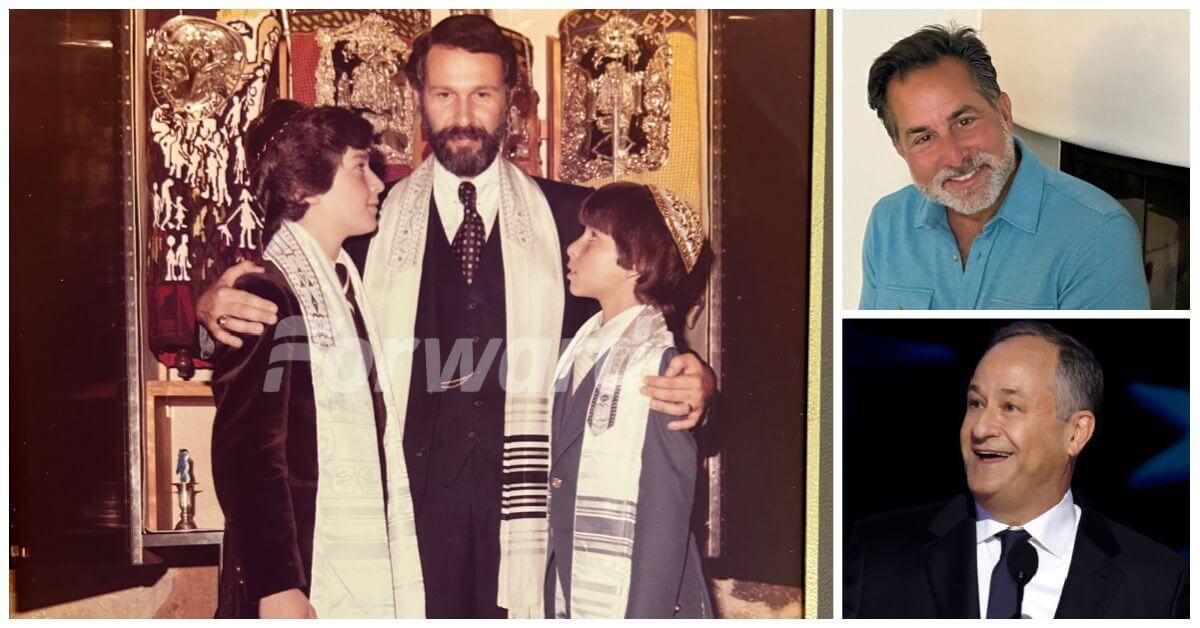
1002, 597
468, 242
372, 377
347, 289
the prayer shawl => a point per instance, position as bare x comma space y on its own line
610, 464
533, 296
365, 561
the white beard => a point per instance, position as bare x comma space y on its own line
998, 171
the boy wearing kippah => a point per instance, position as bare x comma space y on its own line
621, 483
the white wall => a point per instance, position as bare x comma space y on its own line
870, 166
1115, 81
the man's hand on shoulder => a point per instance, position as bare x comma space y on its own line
288, 604
683, 390
224, 310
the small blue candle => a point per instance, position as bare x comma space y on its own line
181, 468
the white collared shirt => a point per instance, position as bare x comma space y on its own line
450, 208
1053, 537
611, 331
600, 340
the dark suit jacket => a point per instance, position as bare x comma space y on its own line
666, 581
920, 562
265, 454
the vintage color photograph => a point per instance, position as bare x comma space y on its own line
409, 313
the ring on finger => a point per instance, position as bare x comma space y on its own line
221, 321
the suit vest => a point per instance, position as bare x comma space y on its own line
461, 331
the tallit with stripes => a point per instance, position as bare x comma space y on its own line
365, 562
610, 464
533, 294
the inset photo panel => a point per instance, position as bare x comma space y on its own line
1015, 160
1015, 468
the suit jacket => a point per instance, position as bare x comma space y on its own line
921, 562
666, 581
265, 455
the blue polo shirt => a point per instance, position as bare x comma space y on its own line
1056, 243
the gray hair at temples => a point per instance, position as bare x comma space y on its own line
925, 48
1080, 380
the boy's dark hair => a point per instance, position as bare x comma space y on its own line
627, 212
473, 33
925, 48
294, 152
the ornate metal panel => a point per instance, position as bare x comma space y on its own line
361, 68
355, 59
617, 99
631, 99
195, 66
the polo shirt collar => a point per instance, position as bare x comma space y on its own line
931, 215
1022, 206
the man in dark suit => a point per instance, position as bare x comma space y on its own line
1030, 411
463, 71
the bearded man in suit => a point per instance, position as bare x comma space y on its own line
467, 282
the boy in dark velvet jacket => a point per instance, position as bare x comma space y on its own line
308, 464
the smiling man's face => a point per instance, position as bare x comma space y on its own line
1017, 452
958, 147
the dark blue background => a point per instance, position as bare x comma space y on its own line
904, 394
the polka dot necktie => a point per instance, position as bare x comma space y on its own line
468, 242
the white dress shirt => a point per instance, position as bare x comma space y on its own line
599, 341
1053, 537
450, 208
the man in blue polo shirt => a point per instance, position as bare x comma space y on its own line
985, 223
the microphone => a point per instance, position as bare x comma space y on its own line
1022, 565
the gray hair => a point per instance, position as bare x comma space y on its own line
923, 49
1080, 380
